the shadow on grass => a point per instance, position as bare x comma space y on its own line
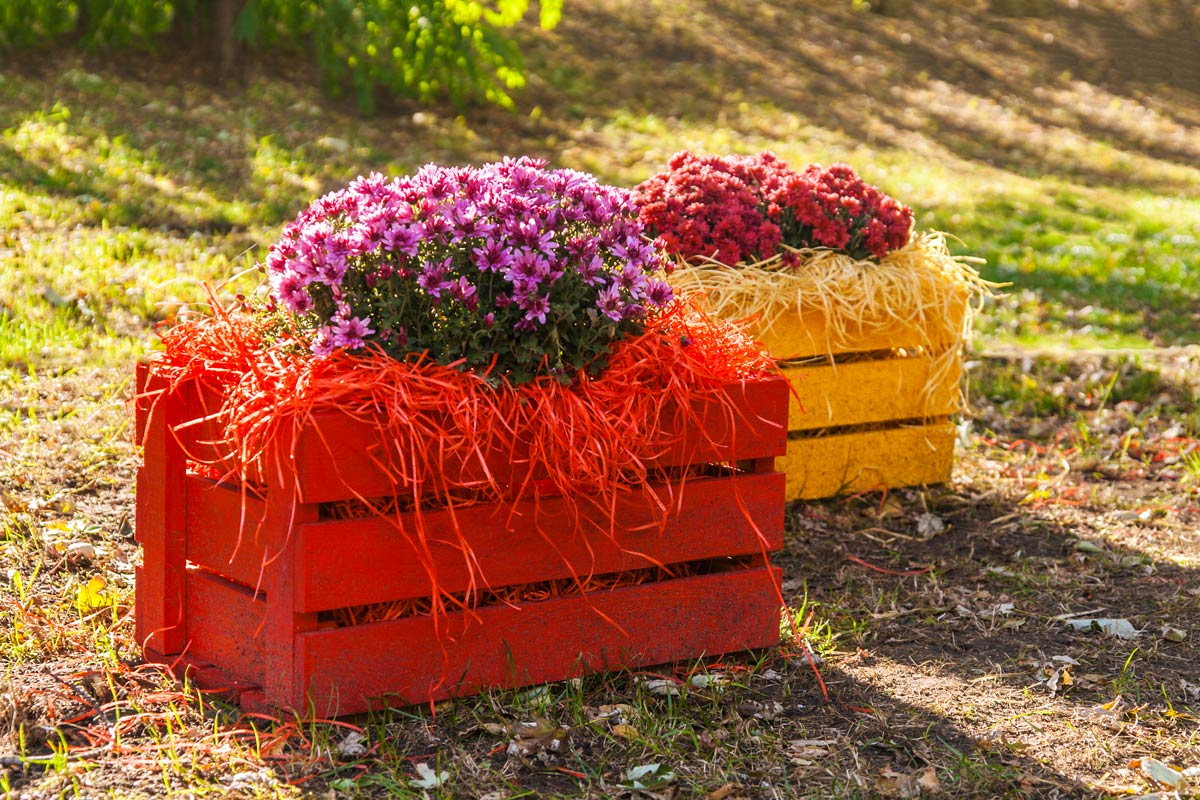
854, 72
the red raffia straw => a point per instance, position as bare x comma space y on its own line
886, 571
802, 636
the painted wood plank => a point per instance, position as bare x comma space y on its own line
223, 533
338, 457
281, 621
742, 426
141, 401
878, 390
808, 336
356, 562
223, 626
826, 466
348, 670
160, 518
202, 433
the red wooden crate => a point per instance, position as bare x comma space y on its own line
234, 585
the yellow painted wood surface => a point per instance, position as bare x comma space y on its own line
859, 392
826, 466
808, 335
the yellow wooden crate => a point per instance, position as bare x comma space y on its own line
825, 466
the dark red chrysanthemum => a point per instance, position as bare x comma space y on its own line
741, 208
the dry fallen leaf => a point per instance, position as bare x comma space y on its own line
80, 553
1059, 680
648, 777
535, 736
805, 752
353, 746
1172, 634
92, 595
626, 732
928, 781
662, 686
1159, 772
615, 714
726, 792
1090, 680
709, 680
891, 507
766, 711
891, 783
428, 778
929, 526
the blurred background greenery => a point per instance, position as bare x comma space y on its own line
1058, 140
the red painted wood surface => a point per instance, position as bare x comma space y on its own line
160, 519
282, 621
203, 435
407, 661
491, 545
223, 530
339, 457
223, 621
485, 545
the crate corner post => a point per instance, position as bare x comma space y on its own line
160, 518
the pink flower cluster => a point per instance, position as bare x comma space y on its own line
470, 263
741, 208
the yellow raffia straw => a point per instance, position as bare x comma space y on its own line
917, 296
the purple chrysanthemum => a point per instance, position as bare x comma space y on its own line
435, 258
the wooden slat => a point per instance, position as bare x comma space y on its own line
743, 425
223, 530
142, 402
808, 336
855, 462
339, 458
223, 620
351, 669
371, 560
870, 391
202, 434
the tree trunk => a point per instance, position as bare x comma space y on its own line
224, 39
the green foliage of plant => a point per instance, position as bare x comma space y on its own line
123, 23
423, 49
420, 49
27, 22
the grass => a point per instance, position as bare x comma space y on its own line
124, 185
161, 186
